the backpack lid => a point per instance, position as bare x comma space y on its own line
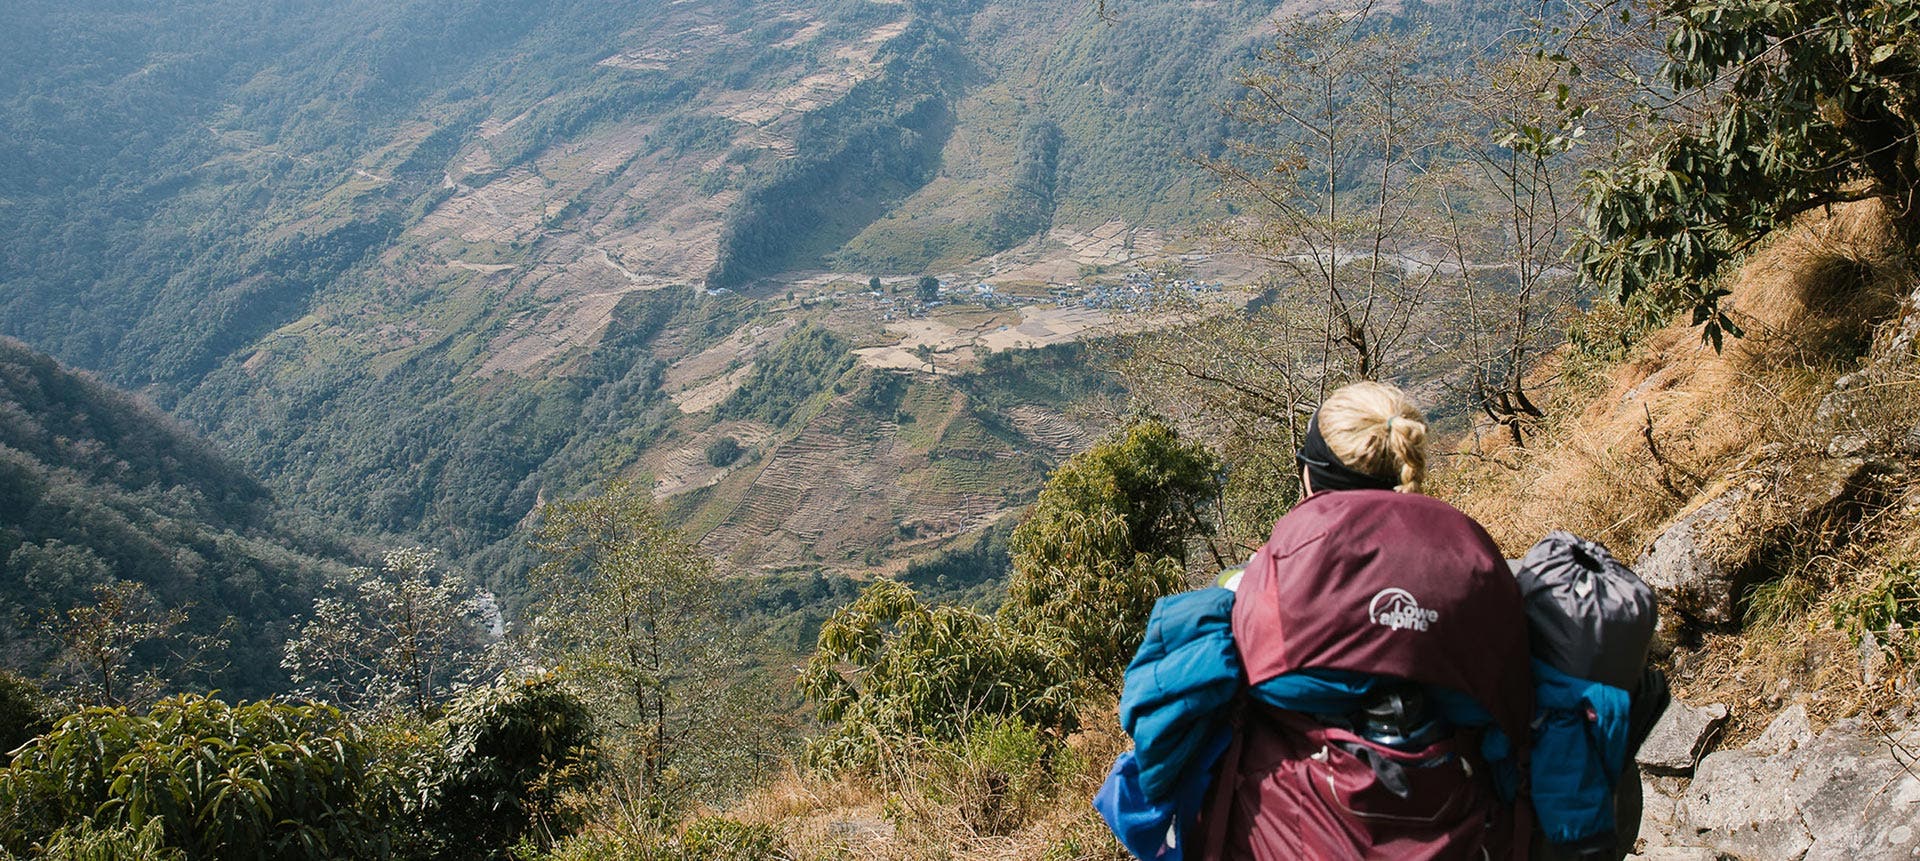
1388, 584
1587, 615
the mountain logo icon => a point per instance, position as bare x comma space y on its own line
1397, 609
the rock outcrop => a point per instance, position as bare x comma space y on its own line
1851, 792
1707, 558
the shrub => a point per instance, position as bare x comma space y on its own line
891, 670
1888, 611
996, 776
1106, 539
514, 751
23, 712
85, 841
724, 451
257, 780
717, 839
705, 839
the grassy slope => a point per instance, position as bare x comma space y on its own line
1639, 439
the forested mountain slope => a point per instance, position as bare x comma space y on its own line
97, 488
424, 264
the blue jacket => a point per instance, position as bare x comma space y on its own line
1178, 687
1174, 706
1580, 739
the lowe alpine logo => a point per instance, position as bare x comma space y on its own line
1396, 609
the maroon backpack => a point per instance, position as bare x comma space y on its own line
1391, 584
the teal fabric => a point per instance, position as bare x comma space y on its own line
1580, 744
1180, 682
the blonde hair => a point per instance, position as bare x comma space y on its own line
1374, 428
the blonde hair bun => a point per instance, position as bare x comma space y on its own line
1375, 428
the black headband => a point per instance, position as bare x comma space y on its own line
1325, 470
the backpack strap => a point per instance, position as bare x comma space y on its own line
1226, 779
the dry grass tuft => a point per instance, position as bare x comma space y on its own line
933, 808
1629, 450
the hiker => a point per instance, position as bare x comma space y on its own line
1355, 692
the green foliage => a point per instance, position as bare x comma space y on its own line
927, 289
891, 671
724, 451
709, 838
197, 778
514, 752
405, 637
1028, 207
1888, 611
1801, 104
807, 361
1106, 539
996, 776
84, 841
1158, 483
100, 489
971, 571
636, 615
715, 838
262, 779
24, 712
99, 640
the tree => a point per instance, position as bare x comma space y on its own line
1509, 218
637, 616
927, 289
924, 352
873, 284
724, 451
100, 642
513, 750
1108, 537
25, 711
1794, 105
406, 636
1332, 180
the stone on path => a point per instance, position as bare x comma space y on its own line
1680, 737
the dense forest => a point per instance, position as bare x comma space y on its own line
111, 504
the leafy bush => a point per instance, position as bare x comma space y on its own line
705, 839
891, 671
717, 839
262, 779
1887, 611
23, 712
1106, 539
85, 841
1794, 106
996, 776
514, 751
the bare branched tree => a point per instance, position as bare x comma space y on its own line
1333, 180
1509, 220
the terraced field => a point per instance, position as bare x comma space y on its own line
853, 490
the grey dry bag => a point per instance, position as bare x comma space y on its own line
1587, 615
